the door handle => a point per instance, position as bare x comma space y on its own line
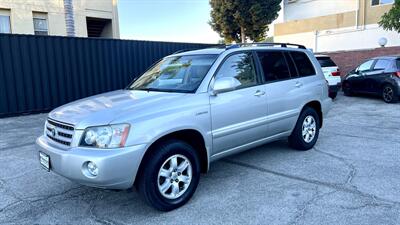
298, 84
259, 93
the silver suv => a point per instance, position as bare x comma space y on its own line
187, 110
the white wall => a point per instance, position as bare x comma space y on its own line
356, 39
342, 39
303, 9
307, 39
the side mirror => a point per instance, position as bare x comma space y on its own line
225, 84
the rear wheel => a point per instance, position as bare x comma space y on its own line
332, 95
170, 175
306, 131
347, 89
388, 94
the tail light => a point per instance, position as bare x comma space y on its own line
397, 74
336, 73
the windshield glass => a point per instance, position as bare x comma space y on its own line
175, 74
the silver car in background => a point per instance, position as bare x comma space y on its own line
187, 110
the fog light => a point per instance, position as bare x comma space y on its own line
92, 168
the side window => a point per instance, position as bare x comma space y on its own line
292, 67
365, 66
240, 66
382, 64
303, 64
274, 65
5, 27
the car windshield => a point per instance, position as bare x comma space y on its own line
175, 74
326, 62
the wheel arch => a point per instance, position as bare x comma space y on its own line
191, 136
386, 82
316, 105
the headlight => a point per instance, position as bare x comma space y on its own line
112, 136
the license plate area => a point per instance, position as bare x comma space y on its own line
44, 161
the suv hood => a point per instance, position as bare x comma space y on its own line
103, 108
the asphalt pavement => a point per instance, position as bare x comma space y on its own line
352, 176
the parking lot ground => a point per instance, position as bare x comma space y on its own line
352, 176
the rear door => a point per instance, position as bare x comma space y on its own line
374, 79
311, 84
283, 90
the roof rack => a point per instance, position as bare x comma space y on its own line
283, 45
182, 50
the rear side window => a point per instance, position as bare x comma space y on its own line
274, 66
381, 64
398, 63
292, 67
326, 62
303, 64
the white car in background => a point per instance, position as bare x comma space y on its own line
332, 74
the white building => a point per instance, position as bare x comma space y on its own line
333, 25
81, 18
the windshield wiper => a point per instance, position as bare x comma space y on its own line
147, 89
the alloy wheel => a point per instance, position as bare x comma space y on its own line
388, 94
309, 129
174, 176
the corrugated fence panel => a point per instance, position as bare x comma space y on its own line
39, 73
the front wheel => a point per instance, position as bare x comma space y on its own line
170, 175
306, 131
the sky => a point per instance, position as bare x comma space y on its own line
166, 20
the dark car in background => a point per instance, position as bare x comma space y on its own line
332, 74
378, 76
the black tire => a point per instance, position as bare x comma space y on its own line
389, 94
147, 184
347, 89
296, 139
332, 95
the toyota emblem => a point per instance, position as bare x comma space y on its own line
53, 132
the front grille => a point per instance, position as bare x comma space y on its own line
59, 132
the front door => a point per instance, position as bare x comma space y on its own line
238, 116
358, 81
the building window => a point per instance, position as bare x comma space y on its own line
40, 26
5, 26
98, 27
382, 2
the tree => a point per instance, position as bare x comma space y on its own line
236, 20
391, 19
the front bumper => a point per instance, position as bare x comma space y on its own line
117, 168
